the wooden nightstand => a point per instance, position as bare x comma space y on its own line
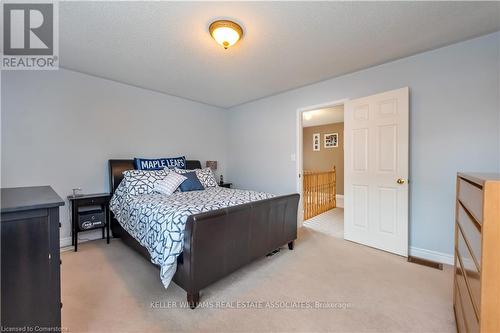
228, 185
78, 204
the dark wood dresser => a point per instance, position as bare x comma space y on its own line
31, 286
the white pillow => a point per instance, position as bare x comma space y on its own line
169, 184
140, 182
205, 176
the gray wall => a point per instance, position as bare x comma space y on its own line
61, 127
454, 107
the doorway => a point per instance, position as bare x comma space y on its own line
376, 167
323, 168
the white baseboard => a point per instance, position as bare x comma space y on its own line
340, 200
443, 258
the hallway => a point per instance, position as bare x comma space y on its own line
330, 223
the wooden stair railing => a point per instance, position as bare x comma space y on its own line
320, 191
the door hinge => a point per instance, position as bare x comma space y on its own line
50, 256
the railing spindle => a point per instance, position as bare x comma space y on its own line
319, 191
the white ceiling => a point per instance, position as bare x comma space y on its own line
324, 116
165, 46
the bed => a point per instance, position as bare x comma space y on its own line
219, 241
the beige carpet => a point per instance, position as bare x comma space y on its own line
110, 288
330, 222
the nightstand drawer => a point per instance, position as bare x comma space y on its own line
92, 201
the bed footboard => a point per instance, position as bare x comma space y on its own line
219, 242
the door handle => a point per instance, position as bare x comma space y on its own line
401, 181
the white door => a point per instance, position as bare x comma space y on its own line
376, 171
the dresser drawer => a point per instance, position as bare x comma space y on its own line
469, 284
459, 314
472, 198
471, 233
472, 274
470, 319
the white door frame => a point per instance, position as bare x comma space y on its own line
299, 149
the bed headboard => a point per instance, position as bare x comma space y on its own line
116, 168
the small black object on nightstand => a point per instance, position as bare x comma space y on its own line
89, 212
228, 185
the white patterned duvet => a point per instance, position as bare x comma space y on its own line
157, 221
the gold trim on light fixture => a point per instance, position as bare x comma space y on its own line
225, 32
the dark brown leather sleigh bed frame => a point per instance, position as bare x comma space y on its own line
218, 242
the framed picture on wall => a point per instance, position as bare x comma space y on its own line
332, 140
316, 142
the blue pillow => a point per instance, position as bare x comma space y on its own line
192, 183
160, 163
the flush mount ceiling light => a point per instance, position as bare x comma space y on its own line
307, 115
226, 33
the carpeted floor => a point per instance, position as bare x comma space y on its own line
330, 222
110, 288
